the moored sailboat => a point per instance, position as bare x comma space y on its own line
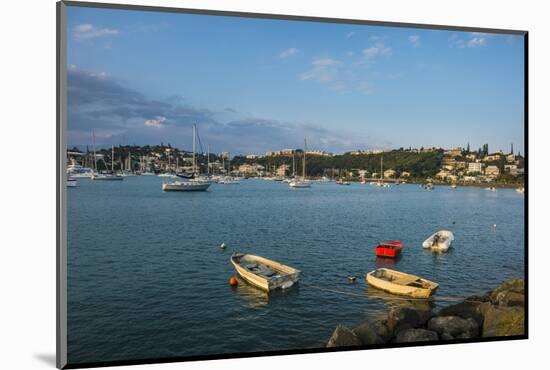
301, 183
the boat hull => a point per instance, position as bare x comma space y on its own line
389, 250
107, 178
401, 284
181, 186
299, 184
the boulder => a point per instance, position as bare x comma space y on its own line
469, 309
415, 335
366, 334
452, 327
509, 298
343, 337
373, 332
510, 293
401, 318
503, 321
381, 329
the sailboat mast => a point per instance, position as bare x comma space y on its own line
93, 148
208, 161
294, 164
381, 168
194, 170
113, 158
304, 164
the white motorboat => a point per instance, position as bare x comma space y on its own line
440, 241
71, 183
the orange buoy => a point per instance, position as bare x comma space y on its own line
233, 281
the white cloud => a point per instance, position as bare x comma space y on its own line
324, 70
288, 52
473, 40
379, 49
157, 122
89, 31
414, 40
477, 42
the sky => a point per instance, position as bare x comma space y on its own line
255, 85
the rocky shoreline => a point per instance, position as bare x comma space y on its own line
498, 313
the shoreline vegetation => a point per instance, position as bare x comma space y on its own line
497, 313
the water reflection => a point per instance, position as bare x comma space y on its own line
252, 297
383, 262
392, 300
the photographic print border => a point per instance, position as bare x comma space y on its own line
61, 206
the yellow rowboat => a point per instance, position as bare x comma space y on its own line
400, 283
264, 273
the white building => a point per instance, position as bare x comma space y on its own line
474, 167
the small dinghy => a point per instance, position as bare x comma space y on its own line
400, 283
391, 249
264, 273
440, 241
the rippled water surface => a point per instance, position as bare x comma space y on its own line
146, 276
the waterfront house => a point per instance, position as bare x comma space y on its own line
492, 171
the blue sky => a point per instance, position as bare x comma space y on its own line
253, 85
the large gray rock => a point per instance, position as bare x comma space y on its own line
510, 293
366, 334
381, 329
415, 335
469, 308
503, 321
343, 337
401, 318
372, 332
452, 327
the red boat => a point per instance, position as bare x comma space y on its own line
390, 249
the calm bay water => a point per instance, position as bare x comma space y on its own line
146, 276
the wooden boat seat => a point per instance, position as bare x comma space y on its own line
405, 280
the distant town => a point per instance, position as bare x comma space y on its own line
457, 165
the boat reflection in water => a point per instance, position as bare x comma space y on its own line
392, 300
386, 262
250, 296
